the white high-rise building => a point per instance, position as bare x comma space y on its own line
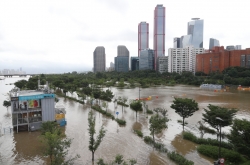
183, 59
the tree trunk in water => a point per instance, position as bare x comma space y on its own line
183, 123
93, 154
153, 137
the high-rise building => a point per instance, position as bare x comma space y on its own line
183, 59
163, 64
146, 59
122, 63
99, 59
194, 35
237, 47
195, 29
134, 62
159, 32
122, 51
213, 42
176, 42
122, 59
143, 39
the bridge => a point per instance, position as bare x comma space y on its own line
20, 75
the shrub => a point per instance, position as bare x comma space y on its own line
139, 133
229, 155
179, 159
160, 147
213, 142
149, 111
123, 104
148, 140
99, 109
120, 122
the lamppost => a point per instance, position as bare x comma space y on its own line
139, 92
220, 119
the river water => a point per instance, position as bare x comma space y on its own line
25, 147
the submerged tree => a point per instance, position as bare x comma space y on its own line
94, 142
56, 144
184, 107
136, 106
157, 124
213, 112
6, 104
240, 136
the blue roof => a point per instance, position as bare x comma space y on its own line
35, 97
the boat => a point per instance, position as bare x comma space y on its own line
212, 86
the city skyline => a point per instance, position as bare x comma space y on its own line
58, 37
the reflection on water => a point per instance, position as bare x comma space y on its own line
25, 147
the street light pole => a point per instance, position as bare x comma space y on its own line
139, 92
220, 119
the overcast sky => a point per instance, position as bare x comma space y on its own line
57, 36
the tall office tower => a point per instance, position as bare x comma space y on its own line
230, 47
159, 32
195, 29
122, 59
213, 42
183, 59
146, 59
122, 51
142, 36
177, 42
99, 58
185, 41
163, 64
134, 63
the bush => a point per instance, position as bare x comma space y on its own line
123, 104
148, 140
229, 155
160, 147
139, 133
99, 109
149, 111
179, 159
213, 142
120, 122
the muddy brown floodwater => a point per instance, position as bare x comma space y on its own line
25, 147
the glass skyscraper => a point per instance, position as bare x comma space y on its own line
99, 59
122, 59
195, 29
213, 42
143, 29
159, 32
146, 60
176, 42
134, 61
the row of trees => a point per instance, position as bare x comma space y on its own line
89, 81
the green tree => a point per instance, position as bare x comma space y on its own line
184, 107
214, 111
6, 104
157, 124
123, 101
94, 142
240, 136
56, 145
21, 84
136, 106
